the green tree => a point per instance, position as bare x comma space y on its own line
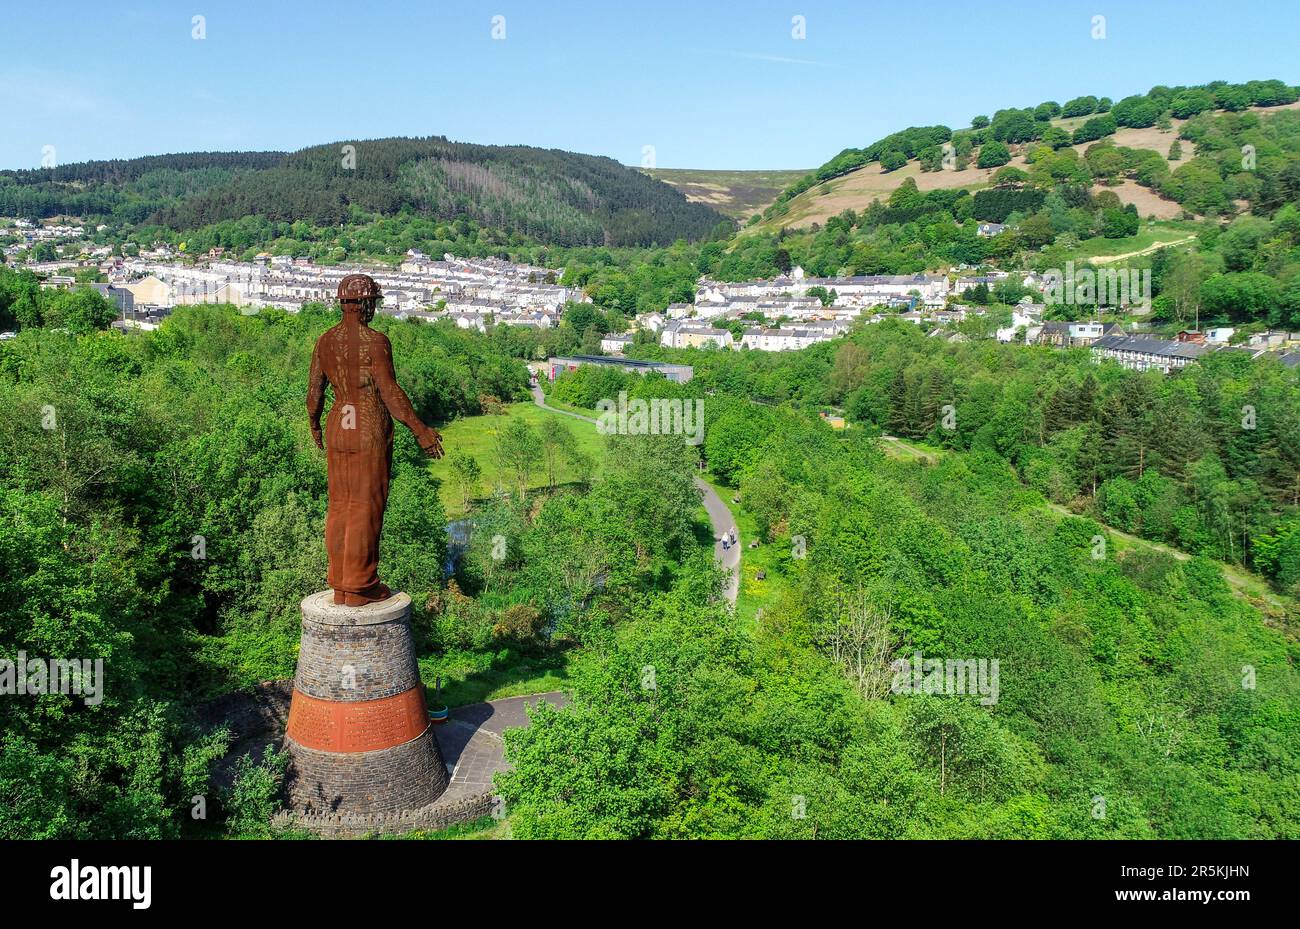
517, 449
993, 154
254, 795
467, 474
892, 160
555, 440
1240, 296
80, 311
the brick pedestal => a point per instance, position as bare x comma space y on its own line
358, 731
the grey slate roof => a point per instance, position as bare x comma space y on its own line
1165, 348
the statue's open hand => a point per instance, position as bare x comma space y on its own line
431, 443
316, 437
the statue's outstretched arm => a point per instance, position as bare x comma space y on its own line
398, 403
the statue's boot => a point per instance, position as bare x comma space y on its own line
373, 595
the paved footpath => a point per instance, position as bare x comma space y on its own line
539, 397
471, 741
719, 515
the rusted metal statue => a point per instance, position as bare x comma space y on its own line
357, 362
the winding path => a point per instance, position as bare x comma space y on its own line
722, 521
928, 457
719, 516
540, 399
1107, 259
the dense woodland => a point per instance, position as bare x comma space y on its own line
1121, 677
189, 439
546, 195
1123, 711
1207, 460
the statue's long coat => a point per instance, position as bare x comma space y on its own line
357, 362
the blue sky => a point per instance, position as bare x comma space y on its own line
707, 84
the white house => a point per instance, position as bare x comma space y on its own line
615, 344
469, 321
1022, 316
685, 334
652, 321
782, 340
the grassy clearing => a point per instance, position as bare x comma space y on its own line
476, 677
738, 194
581, 411
1149, 237
857, 189
911, 450
476, 436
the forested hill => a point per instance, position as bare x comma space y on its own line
553, 196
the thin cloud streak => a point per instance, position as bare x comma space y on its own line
781, 59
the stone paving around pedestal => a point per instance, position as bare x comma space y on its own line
471, 741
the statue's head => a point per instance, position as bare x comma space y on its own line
358, 293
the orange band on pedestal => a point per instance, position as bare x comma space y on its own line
362, 726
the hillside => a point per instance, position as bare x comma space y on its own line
856, 177
856, 190
738, 194
547, 195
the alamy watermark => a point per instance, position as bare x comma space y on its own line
657, 416
952, 677
39, 676
103, 882
1105, 287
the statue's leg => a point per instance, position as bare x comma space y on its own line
336, 517
363, 494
